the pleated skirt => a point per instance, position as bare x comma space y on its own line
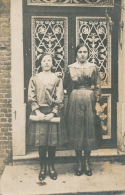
47, 133
80, 117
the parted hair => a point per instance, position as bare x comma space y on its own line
79, 46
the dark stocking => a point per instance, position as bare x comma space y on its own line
88, 170
79, 170
42, 157
51, 159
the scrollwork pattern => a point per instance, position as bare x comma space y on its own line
95, 33
105, 116
49, 34
88, 3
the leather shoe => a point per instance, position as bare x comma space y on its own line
53, 174
88, 172
42, 175
79, 172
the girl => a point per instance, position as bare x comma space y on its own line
45, 95
82, 82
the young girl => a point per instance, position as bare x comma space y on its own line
45, 95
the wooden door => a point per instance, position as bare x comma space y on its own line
58, 30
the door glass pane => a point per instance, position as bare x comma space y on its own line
50, 35
95, 32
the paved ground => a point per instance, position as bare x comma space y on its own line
22, 179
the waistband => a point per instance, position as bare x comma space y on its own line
84, 88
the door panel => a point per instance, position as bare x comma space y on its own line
95, 33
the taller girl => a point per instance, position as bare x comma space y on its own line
82, 82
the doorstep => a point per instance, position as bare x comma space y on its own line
22, 179
106, 153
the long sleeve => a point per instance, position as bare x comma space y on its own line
67, 83
32, 95
58, 96
97, 85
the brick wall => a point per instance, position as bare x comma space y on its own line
5, 85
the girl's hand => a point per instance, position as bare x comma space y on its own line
48, 117
40, 115
98, 108
59, 74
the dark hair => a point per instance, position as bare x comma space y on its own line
46, 54
79, 46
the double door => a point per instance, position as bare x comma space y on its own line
57, 30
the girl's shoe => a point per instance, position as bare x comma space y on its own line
53, 174
79, 172
88, 172
42, 174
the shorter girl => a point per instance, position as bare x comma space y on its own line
45, 94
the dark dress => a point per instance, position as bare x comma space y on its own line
47, 96
83, 86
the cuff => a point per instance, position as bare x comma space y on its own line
55, 110
34, 106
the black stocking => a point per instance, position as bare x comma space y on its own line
42, 156
88, 170
79, 159
51, 157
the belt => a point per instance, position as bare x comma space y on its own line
83, 88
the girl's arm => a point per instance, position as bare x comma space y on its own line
97, 85
98, 92
67, 83
32, 94
32, 98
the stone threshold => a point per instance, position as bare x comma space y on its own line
70, 153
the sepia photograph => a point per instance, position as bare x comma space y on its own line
62, 97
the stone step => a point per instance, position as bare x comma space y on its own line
108, 179
67, 156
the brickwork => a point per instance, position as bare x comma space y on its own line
5, 85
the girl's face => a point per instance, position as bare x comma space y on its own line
82, 54
46, 63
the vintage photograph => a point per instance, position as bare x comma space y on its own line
62, 97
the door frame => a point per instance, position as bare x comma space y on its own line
17, 63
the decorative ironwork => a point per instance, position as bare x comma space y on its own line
105, 116
95, 32
49, 34
85, 3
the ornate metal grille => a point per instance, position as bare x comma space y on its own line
105, 116
86, 3
50, 35
95, 32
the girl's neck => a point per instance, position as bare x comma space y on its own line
82, 64
46, 72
